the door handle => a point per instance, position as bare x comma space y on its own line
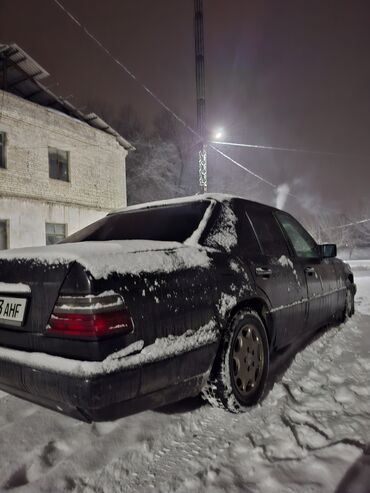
310, 271
263, 272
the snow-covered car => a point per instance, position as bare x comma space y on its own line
157, 302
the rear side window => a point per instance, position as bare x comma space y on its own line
303, 244
162, 223
268, 231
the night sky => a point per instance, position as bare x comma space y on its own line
279, 72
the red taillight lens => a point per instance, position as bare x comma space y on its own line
90, 316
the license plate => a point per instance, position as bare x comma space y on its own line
12, 310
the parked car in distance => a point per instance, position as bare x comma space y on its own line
158, 302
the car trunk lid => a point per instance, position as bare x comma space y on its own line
36, 286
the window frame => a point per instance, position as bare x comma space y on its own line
291, 246
6, 223
57, 151
244, 228
3, 146
65, 225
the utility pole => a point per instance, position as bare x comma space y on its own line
200, 91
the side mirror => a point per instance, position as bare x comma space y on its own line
328, 250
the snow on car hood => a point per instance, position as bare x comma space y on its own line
102, 258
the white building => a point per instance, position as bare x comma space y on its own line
59, 168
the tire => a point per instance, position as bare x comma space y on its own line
349, 308
240, 370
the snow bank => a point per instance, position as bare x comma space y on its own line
126, 256
363, 301
6, 287
359, 265
162, 348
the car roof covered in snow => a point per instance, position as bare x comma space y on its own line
217, 197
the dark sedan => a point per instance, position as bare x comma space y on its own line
162, 301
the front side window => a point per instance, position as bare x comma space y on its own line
267, 229
55, 233
2, 150
3, 235
303, 244
58, 164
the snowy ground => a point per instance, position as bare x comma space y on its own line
314, 424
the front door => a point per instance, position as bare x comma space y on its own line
320, 273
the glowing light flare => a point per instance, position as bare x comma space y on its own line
218, 133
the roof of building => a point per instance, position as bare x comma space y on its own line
22, 75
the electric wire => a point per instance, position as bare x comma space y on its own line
157, 98
290, 149
342, 226
126, 69
183, 122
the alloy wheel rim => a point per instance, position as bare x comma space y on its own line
247, 359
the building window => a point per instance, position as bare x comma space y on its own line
58, 164
55, 233
3, 235
2, 150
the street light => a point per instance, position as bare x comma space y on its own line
218, 134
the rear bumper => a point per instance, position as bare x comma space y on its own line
108, 396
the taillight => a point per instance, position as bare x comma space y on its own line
90, 316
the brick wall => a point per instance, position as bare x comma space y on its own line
97, 161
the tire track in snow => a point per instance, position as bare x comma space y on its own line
180, 448
177, 457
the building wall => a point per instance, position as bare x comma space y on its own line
29, 198
27, 219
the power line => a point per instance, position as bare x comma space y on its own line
154, 96
237, 163
290, 149
124, 67
182, 121
350, 224
242, 166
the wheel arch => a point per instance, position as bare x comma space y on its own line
261, 307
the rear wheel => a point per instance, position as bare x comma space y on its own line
240, 371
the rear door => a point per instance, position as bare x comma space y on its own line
320, 273
277, 275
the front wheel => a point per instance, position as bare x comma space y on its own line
349, 309
240, 371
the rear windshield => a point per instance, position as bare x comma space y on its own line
164, 223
